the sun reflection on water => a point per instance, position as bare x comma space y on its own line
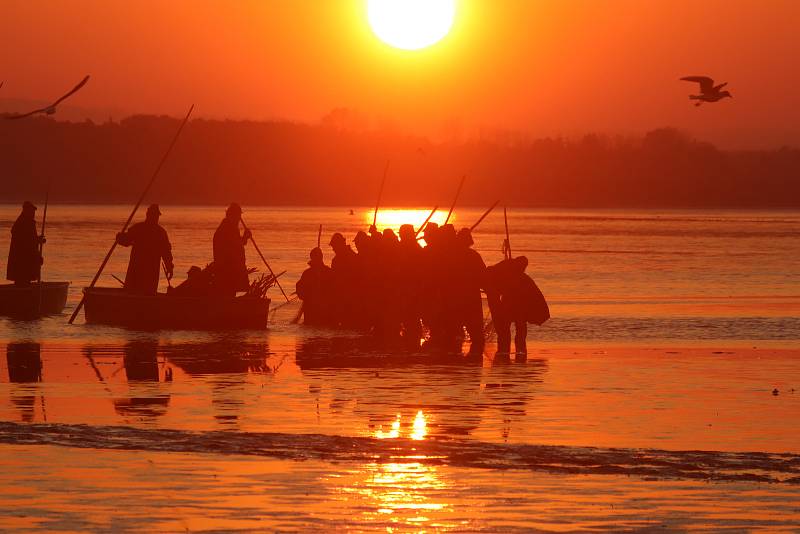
418, 428
393, 218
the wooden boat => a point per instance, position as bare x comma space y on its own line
115, 306
35, 300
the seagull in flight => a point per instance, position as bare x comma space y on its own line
708, 91
49, 110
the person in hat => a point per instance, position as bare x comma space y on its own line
150, 246
24, 256
230, 268
314, 289
409, 283
470, 277
346, 283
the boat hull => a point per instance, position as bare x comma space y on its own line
35, 300
166, 312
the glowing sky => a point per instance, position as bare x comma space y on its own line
545, 67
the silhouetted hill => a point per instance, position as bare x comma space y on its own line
283, 163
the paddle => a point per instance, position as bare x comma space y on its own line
380, 194
277, 282
458, 192
133, 213
41, 244
485, 213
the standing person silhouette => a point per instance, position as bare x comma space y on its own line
230, 268
24, 259
150, 245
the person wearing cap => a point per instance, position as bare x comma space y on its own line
409, 281
230, 267
346, 283
150, 246
470, 277
24, 257
314, 289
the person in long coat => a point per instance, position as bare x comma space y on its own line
24, 258
230, 268
150, 246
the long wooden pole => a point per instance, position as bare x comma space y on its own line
508, 239
426, 221
41, 244
458, 192
265, 261
319, 236
380, 194
485, 213
133, 212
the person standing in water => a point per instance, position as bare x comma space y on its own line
150, 246
230, 268
24, 258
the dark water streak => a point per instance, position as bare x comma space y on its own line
646, 463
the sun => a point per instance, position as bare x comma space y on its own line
411, 24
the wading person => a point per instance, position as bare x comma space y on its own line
230, 268
314, 289
471, 278
150, 246
24, 259
346, 283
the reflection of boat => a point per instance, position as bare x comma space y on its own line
141, 367
220, 357
47, 298
116, 307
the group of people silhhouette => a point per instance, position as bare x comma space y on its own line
389, 285
392, 286
151, 251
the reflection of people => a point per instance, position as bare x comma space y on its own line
140, 359
24, 258
230, 269
24, 367
315, 289
150, 246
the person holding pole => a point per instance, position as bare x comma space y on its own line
230, 269
24, 256
150, 246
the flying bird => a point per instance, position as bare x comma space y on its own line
49, 110
708, 91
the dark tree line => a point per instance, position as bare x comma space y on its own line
284, 163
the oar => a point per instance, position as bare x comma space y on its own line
169, 279
118, 279
426, 221
485, 213
508, 240
458, 192
277, 282
133, 213
380, 194
41, 243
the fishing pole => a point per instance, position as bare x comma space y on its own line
458, 192
507, 247
380, 194
41, 243
277, 282
426, 221
485, 213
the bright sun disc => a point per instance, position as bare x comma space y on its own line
411, 24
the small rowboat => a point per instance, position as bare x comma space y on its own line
114, 306
35, 300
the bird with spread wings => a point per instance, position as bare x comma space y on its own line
49, 110
708, 91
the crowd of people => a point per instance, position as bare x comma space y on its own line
390, 285
394, 287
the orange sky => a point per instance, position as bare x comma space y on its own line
545, 67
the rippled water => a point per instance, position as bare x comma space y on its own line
663, 394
